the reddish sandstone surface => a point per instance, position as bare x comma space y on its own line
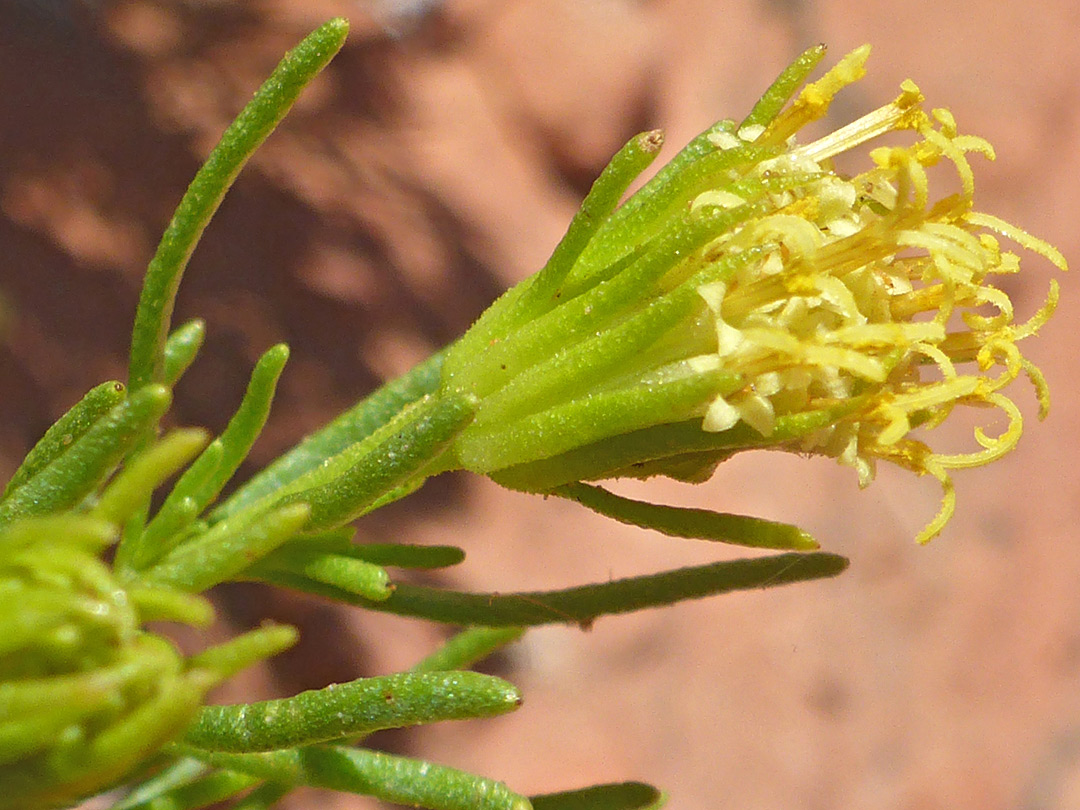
438, 161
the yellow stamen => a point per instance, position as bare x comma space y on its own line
903, 113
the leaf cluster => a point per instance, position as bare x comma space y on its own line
91, 700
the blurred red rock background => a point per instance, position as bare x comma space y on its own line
436, 162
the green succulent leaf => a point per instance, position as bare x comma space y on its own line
695, 524
523, 304
70, 427
406, 448
227, 549
584, 604
181, 348
467, 647
350, 428
402, 555
264, 797
254, 124
236, 654
347, 572
395, 779
80, 469
240, 434
181, 772
201, 791
351, 709
621, 796
210, 472
781, 90
131, 489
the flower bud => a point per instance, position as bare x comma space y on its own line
84, 692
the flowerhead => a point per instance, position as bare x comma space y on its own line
752, 295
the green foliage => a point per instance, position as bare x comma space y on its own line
625, 796
68, 428
583, 604
73, 471
351, 710
698, 524
90, 699
254, 124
